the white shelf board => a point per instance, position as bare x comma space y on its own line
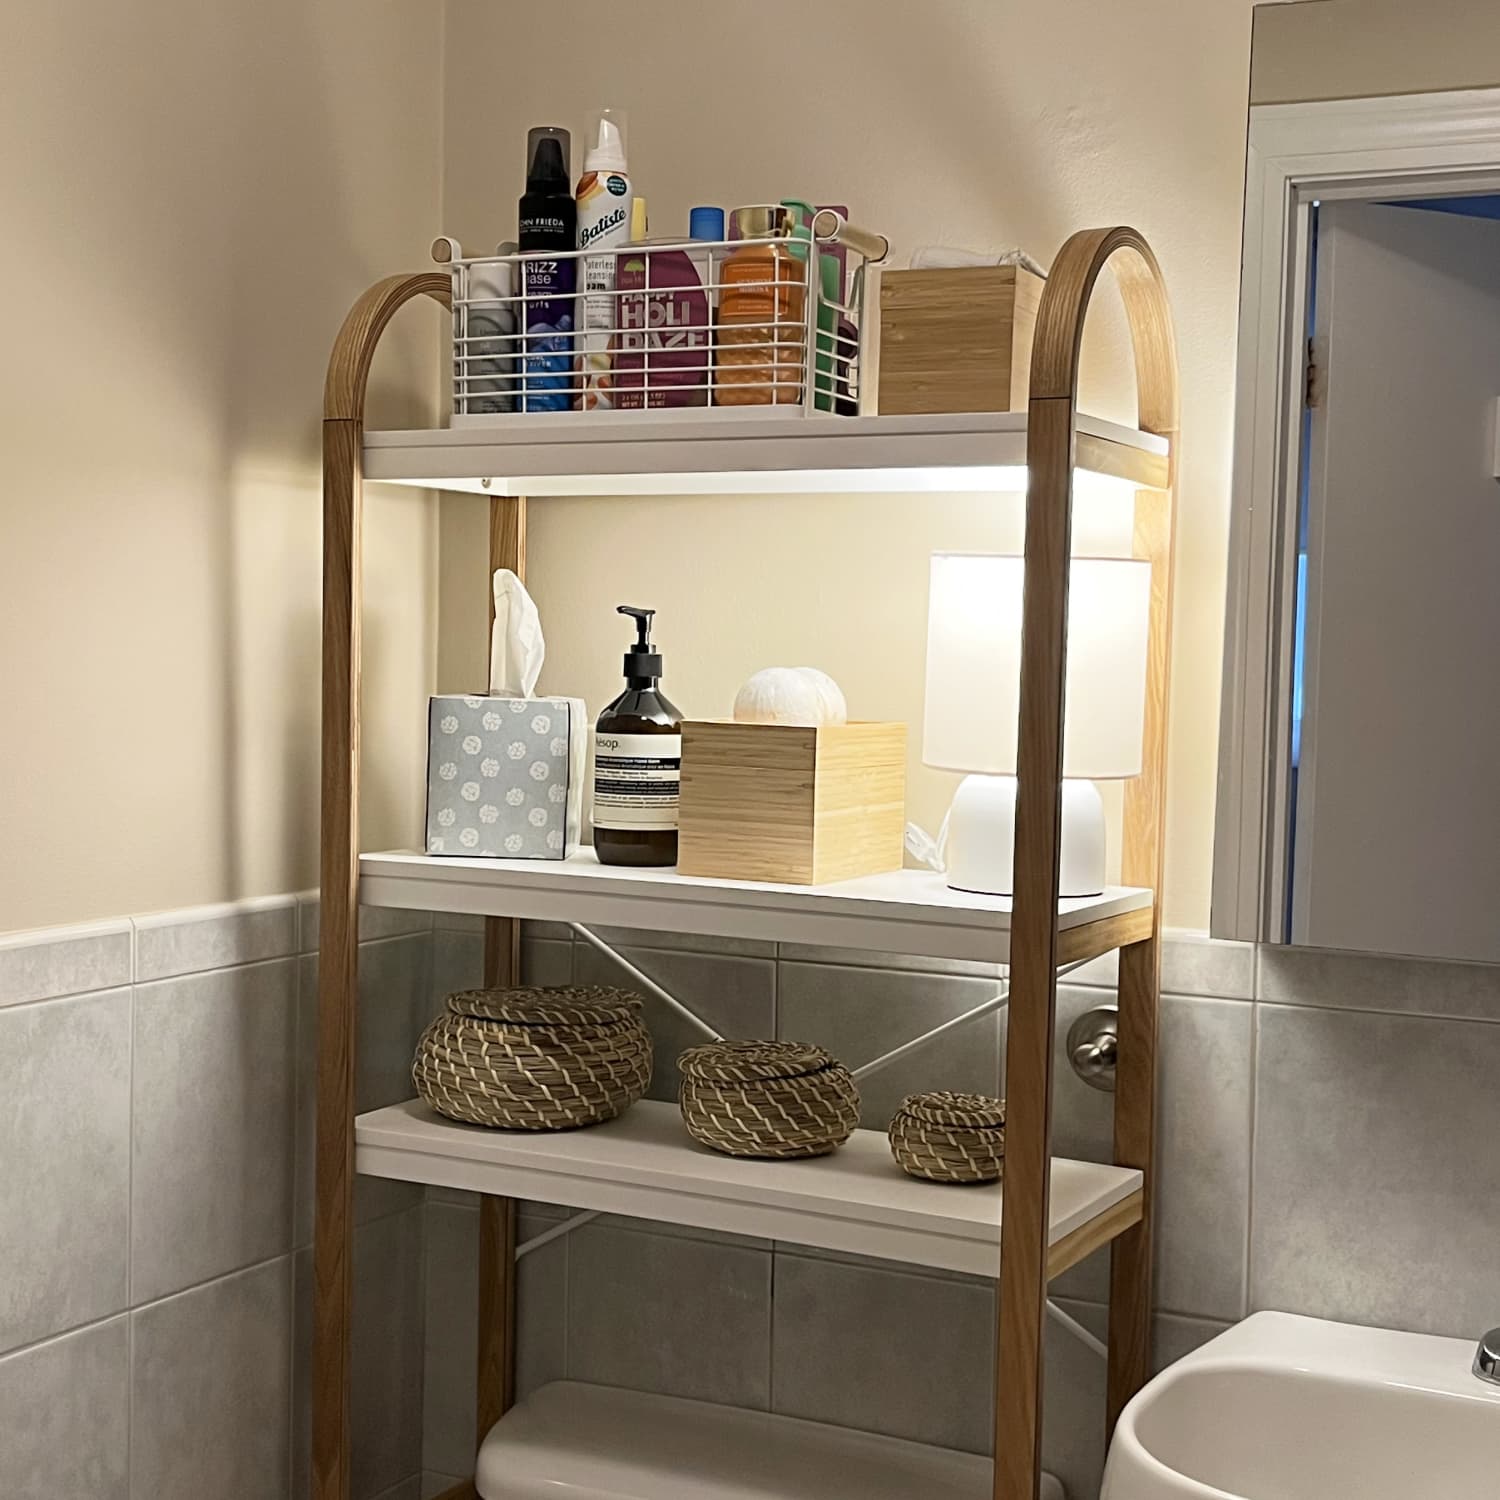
906, 911
645, 1165
707, 453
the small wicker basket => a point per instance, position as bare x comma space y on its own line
776, 1099
948, 1137
535, 1059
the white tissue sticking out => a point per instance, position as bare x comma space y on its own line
517, 649
947, 257
790, 695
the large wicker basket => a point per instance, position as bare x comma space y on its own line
535, 1059
777, 1099
947, 1137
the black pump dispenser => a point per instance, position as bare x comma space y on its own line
638, 761
642, 661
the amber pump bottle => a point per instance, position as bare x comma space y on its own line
638, 762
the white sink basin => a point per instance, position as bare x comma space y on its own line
1287, 1408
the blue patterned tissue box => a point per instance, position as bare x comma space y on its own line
498, 776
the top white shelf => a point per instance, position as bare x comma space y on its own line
700, 452
906, 911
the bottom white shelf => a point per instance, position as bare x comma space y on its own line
592, 1442
645, 1165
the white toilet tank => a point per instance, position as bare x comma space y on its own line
569, 1441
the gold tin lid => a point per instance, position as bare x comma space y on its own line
759, 221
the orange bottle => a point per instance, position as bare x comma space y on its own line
760, 325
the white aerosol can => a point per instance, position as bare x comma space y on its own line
604, 199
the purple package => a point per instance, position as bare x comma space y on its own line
661, 356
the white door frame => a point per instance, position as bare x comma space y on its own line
1391, 147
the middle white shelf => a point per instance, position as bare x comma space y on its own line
644, 1165
905, 911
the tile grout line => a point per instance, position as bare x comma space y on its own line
291, 1373
130, 1132
90, 1324
1253, 1125
130, 1330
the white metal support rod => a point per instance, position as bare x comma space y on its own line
985, 1008
1070, 1324
646, 981
555, 1233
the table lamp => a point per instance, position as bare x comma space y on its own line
973, 707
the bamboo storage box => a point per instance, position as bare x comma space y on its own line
956, 340
791, 803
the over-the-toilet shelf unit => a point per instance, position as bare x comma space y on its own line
1048, 1213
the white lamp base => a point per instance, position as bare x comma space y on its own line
981, 852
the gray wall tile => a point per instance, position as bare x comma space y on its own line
210, 1378
1377, 1169
395, 1004
1073, 1407
1203, 1145
213, 1125
388, 1356
1098, 973
375, 922
457, 964
214, 937
435, 1484
64, 961
884, 1350
386, 1400
1363, 981
684, 942
1192, 963
66, 1422
546, 961
408, 1489
860, 1014
1203, 1156
451, 1283
677, 1316
736, 996
1175, 1337
65, 1145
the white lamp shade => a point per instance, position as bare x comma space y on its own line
974, 664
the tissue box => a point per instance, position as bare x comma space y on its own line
789, 803
499, 776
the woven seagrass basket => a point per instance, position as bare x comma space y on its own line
777, 1099
947, 1137
535, 1059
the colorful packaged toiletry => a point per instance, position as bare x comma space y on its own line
548, 222
761, 333
604, 223
663, 356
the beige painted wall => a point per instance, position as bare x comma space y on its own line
192, 195
964, 123
1349, 49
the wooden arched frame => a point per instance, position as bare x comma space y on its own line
1034, 956
1034, 950
338, 943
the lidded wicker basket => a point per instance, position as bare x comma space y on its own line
776, 1099
949, 1137
535, 1058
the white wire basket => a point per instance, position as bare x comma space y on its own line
667, 328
